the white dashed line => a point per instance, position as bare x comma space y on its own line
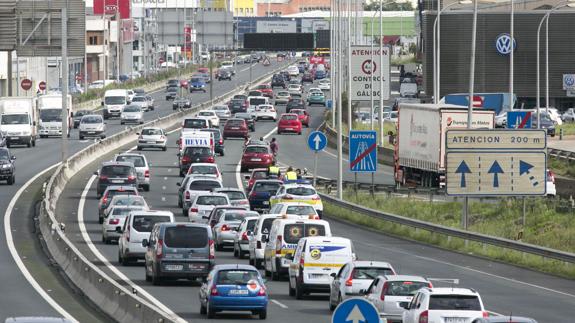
278, 303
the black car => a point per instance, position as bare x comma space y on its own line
116, 173
224, 74
278, 81
76, 116
249, 120
237, 105
7, 168
171, 92
172, 83
219, 146
295, 103
307, 78
285, 75
181, 103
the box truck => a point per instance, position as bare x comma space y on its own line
50, 115
420, 146
18, 120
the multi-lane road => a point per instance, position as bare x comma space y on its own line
505, 289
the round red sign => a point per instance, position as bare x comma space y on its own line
42, 86
26, 84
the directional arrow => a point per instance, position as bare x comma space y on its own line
495, 169
317, 141
355, 316
463, 169
524, 167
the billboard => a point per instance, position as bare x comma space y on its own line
276, 26
110, 7
283, 41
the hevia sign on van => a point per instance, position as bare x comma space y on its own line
503, 44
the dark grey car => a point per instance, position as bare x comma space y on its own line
178, 251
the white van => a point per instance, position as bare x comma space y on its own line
315, 259
18, 120
284, 236
138, 227
254, 101
114, 102
256, 243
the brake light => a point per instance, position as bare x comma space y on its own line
105, 200
159, 250
253, 194
279, 245
179, 141
384, 291
187, 195
186, 160
485, 314
221, 141
147, 173
349, 281
301, 261
430, 285
103, 178
131, 178
225, 228
194, 210
262, 291
114, 221
212, 250
211, 159
214, 291
316, 198
424, 317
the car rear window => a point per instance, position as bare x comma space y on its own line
235, 195
204, 185
145, 223
294, 232
117, 171
267, 187
301, 191
371, 272
132, 108
216, 133
211, 200
404, 288
197, 151
266, 225
182, 236
257, 101
300, 210
121, 211
138, 161
234, 216
195, 123
206, 114
151, 132
112, 193
204, 170
291, 117
129, 200
235, 123
454, 302
256, 150
236, 277
260, 174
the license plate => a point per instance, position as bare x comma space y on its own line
316, 276
174, 267
289, 128
238, 292
117, 181
151, 142
266, 203
454, 320
235, 128
91, 132
256, 159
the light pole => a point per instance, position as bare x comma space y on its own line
568, 3
437, 47
372, 70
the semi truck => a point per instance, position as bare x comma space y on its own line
18, 120
50, 115
419, 152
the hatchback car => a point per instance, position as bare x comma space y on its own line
142, 102
256, 157
303, 116
266, 112
92, 126
278, 81
115, 173
141, 165
211, 116
320, 74
206, 170
234, 288
238, 105
203, 205
261, 192
152, 138
224, 74
181, 103
222, 111
236, 196
193, 186
295, 89
324, 85
225, 228
444, 304
282, 97
178, 251
289, 122
316, 97
266, 90
172, 92
114, 221
258, 173
307, 78
132, 114
7, 166
107, 196
295, 103
195, 154
235, 128
197, 84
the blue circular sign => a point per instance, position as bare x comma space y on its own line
355, 310
569, 80
317, 141
503, 44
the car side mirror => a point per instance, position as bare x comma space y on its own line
119, 230
249, 233
205, 217
96, 173
179, 155
145, 243
137, 133
247, 177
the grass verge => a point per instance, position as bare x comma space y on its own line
545, 226
562, 167
567, 127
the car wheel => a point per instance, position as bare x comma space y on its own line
298, 291
263, 314
219, 247
164, 148
103, 137
275, 275
211, 313
139, 148
100, 220
146, 188
29, 144
180, 204
222, 153
81, 137
156, 281
291, 289
11, 180
148, 277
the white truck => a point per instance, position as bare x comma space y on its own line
18, 120
419, 153
50, 115
114, 102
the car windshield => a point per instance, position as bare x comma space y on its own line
139, 99
283, 94
211, 200
145, 223
234, 216
198, 151
234, 195
300, 210
51, 115
151, 132
294, 232
173, 89
138, 161
402, 288
206, 114
91, 119
195, 123
186, 237
236, 277
116, 170
220, 108
256, 150
197, 80
8, 119
238, 102
302, 191
132, 108
204, 185
454, 302
204, 170
115, 100
128, 200
267, 187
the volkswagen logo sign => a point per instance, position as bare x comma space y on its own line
503, 44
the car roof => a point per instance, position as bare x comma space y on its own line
451, 291
292, 185
153, 212
294, 203
211, 194
268, 181
319, 239
405, 278
121, 188
369, 263
202, 178
204, 164
228, 189
234, 266
187, 224
116, 163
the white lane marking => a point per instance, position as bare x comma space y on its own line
279, 304
470, 269
16, 256
239, 181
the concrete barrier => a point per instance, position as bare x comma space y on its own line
112, 298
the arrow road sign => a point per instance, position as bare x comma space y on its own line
495, 169
355, 310
525, 168
463, 169
519, 120
317, 141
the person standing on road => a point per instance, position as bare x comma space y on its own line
274, 147
291, 175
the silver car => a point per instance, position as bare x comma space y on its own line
242, 239
141, 101
114, 221
223, 112
141, 165
354, 278
152, 138
224, 231
132, 114
92, 126
237, 196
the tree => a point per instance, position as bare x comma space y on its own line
388, 6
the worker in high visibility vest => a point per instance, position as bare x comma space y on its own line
273, 170
291, 175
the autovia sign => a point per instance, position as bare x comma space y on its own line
503, 44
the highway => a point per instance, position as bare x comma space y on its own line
505, 289
17, 227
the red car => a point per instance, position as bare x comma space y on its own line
289, 122
266, 90
203, 70
302, 115
236, 128
258, 173
184, 84
256, 156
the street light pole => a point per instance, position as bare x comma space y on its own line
339, 106
380, 112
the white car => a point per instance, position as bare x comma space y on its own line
314, 89
142, 102
256, 244
205, 170
132, 114
457, 305
125, 200
295, 89
295, 192
152, 138
131, 95
550, 184
92, 126
242, 240
324, 85
223, 112
195, 186
293, 70
211, 116
265, 111
114, 221
203, 204
237, 196
303, 210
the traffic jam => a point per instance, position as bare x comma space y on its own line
232, 240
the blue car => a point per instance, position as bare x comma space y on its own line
234, 288
197, 83
320, 75
262, 190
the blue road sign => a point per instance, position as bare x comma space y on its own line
519, 119
317, 141
355, 310
362, 151
463, 169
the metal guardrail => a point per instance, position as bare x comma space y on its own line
462, 234
104, 291
561, 154
330, 184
